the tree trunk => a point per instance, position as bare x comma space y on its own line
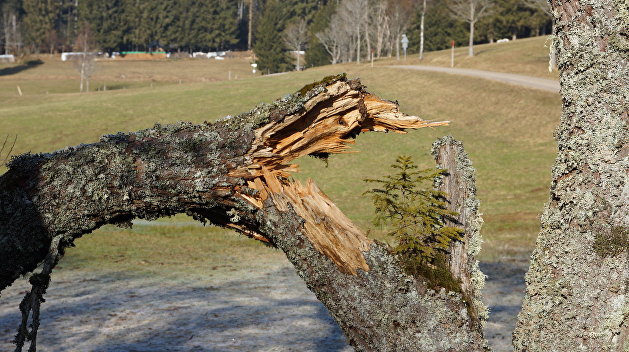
235, 173
358, 43
460, 186
397, 46
250, 26
470, 48
82, 72
421, 32
578, 282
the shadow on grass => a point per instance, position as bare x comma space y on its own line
104, 88
273, 311
19, 68
503, 293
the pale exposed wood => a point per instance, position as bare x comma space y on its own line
326, 125
459, 185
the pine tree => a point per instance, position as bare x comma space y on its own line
105, 19
220, 24
135, 14
440, 29
269, 46
316, 55
39, 23
415, 212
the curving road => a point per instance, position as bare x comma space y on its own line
548, 85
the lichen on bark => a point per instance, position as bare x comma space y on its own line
578, 281
236, 173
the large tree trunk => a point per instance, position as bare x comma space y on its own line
235, 173
577, 296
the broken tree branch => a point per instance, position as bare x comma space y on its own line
236, 173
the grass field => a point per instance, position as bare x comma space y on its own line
524, 56
506, 130
54, 76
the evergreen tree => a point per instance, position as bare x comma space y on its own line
185, 32
135, 14
415, 211
39, 23
220, 24
301, 9
316, 55
105, 19
440, 29
269, 46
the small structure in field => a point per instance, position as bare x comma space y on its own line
7, 58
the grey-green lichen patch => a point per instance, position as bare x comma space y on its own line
382, 309
186, 168
159, 171
612, 242
579, 269
620, 39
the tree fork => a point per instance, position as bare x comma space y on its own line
236, 173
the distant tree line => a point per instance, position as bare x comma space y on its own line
40, 26
355, 30
330, 31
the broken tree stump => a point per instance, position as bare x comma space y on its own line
460, 186
236, 173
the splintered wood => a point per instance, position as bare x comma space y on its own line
327, 228
326, 125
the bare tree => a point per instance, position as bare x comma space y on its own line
399, 15
11, 30
421, 31
378, 25
470, 11
355, 14
295, 36
334, 38
85, 63
342, 37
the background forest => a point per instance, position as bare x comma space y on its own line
330, 31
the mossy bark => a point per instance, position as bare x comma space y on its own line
577, 296
233, 173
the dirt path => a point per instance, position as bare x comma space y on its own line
268, 310
509, 78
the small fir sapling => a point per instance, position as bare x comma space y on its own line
415, 212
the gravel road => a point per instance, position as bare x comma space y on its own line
269, 310
509, 78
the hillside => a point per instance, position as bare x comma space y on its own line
508, 136
528, 56
506, 130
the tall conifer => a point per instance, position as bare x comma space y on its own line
269, 46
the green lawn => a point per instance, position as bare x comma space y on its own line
506, 130
528, 56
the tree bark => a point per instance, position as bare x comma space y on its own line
421, 32
578, 282
460, 186
235, 173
